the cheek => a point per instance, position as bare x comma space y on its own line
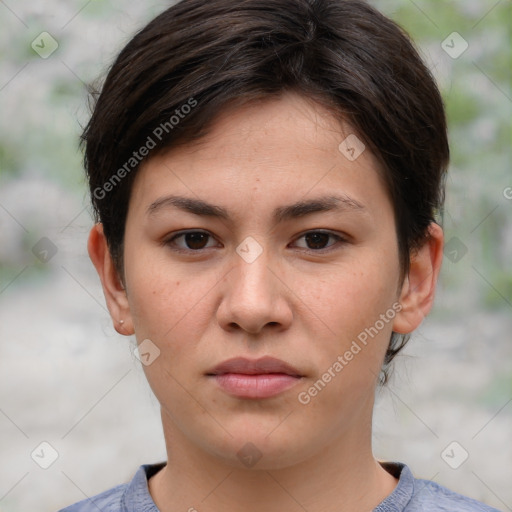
349, 308
348, 305
159, 297
171, 311
170, 307
350, 300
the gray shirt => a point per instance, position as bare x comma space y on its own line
410, 495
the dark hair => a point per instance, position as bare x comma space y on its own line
182, 70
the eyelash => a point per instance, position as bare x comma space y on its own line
338, 240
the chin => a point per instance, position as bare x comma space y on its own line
264, 449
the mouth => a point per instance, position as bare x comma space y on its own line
255, 379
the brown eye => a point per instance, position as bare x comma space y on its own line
191, 240
196, 240
319, 240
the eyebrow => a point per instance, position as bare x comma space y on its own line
299, 209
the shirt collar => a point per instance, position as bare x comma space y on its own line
402, 494
137, 498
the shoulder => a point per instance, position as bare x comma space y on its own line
429, 496
108, 501
122, 498
419, 495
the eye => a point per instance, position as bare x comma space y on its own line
195, 241
317, 240
190, 241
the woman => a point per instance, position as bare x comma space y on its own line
266, 177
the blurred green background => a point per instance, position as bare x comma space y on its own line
41, 117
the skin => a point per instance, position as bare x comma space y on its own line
297, 301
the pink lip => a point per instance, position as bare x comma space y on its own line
259, 378
255, 386
246, 366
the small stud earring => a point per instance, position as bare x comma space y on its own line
121, 322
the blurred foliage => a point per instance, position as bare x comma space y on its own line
44, 107
476, 88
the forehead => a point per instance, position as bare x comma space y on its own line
286, 148
282, 125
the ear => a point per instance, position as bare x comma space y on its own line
113, 289
418, 289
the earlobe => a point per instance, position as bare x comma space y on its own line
113, 289
418, 289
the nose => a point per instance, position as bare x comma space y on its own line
255, 297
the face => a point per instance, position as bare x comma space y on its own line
263, 241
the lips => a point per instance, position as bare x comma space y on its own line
264, 365
254, 378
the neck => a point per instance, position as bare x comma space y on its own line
342, 476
